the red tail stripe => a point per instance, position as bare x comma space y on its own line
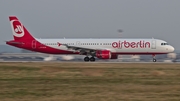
13, 18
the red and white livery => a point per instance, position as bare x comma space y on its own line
91, 48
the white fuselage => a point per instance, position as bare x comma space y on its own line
119, 46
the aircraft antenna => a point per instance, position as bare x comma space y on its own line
120, 31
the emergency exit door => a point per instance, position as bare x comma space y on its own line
34, 44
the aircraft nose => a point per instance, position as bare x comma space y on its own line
171, 49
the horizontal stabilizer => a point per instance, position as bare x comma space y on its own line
15, 43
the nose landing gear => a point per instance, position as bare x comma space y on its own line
154, 59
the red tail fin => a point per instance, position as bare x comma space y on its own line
19, 31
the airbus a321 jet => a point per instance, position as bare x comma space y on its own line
91, 48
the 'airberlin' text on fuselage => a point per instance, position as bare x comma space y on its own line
126, 44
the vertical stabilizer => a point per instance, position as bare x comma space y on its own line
19, 31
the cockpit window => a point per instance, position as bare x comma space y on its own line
164, 43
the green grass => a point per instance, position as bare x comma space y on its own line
89, 82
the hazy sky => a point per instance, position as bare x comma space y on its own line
94, 18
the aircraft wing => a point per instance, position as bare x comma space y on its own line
76, 48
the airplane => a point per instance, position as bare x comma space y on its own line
103, 48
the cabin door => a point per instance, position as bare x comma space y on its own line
153, 44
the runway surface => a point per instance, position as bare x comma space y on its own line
89, 62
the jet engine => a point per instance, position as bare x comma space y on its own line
103, 54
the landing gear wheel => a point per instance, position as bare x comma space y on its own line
154, 60
92, 59
86, 59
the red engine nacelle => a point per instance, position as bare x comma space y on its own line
103, 54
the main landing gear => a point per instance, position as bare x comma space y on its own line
92, 59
